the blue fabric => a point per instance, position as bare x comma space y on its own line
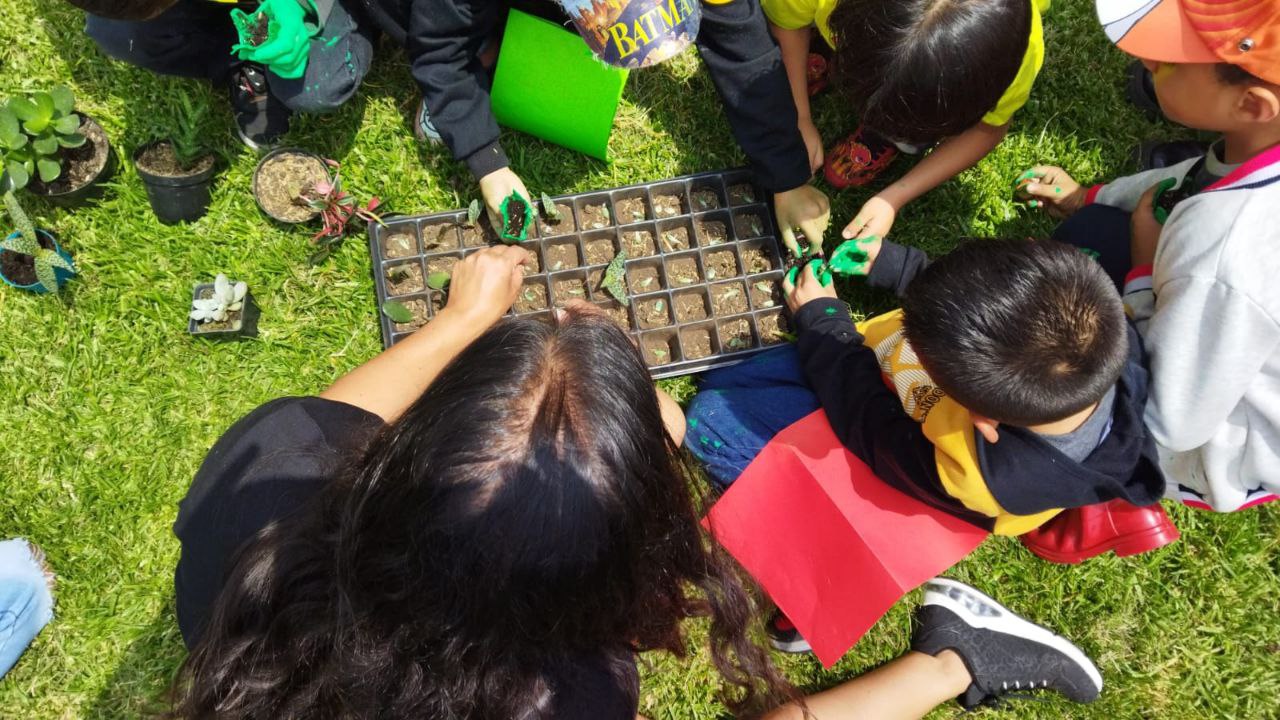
1103, 232
26, 604
739, 409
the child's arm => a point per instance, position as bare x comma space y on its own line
795, 58
949, 159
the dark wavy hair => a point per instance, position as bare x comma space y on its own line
1025, 332
526, 512
922, 70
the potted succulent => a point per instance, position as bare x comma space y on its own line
336, 208
279, 180
58, 153
31, 259
222, 309
178, 171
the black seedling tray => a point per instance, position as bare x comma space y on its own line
704, 274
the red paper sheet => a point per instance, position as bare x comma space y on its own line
833, 545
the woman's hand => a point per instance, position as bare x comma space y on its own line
495, 187
484, 285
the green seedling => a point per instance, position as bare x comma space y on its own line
549, 208
614, 281
397, 312
26, 242
438, 280
473, 212
517, 216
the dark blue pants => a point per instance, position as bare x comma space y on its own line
739, 409
1103, 232
194, 39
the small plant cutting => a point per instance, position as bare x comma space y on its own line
178, 171
517, 216
219, 308
29, 258
615, 276
336, 208
50, 147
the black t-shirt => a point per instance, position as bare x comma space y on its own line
271, 463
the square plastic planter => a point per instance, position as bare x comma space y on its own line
703, 273
245, 326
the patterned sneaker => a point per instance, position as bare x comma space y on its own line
784, 636
1003, 652
261, 119
423, 129
858, 159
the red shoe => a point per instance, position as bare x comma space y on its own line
816, 73
1081, 533
857, 160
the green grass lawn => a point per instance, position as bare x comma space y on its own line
107, 406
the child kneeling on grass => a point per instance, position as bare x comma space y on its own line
1202, 284
920, 72
1008, 387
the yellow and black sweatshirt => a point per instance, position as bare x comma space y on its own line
886, 410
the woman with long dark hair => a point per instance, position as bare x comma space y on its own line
488, 520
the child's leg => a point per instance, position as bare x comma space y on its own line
339, 58
189, 40
1103, 232
26, 604
908, 687
739, 409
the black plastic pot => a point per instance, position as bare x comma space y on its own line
177, 199
247, 327
257, 171
91, 190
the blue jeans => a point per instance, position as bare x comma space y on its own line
739, 409
1103, 232
26, 605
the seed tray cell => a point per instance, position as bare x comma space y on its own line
704, 266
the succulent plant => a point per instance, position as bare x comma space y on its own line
337, 209
187, 138
226, 299
33, 132
26, 242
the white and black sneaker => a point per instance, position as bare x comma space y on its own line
784, 636
261, 119
1003, 652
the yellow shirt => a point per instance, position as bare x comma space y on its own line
796, 14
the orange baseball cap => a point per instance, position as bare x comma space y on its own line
1241, 32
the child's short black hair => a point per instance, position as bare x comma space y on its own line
1024, 332
124, 9
922, 70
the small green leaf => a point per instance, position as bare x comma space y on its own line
17, 174
49, 170
45, 145
764, 287
35, 127
659, 306
10, 131
397, 312
64, 101
55, 260
473, 211
438, 280
549, 208
67, 125
74, 140
45, 109
23, 108
614, 276
658, 353
46, 276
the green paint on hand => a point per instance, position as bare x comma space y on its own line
333, 41
849, 258
1057, 189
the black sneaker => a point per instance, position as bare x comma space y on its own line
784, 636
261, 119
1003, 652
1153, 154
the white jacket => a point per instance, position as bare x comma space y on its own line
1209, 311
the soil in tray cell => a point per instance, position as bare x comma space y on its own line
595, 276
668, 203
755, 259
774, 328
735, 335
728, 298
695, 342
659, 348
532, 266
705, 198
533, 296
721, 265
405, 279
766, 293
653, 313
561, 255
644, 278
565, 225
691, 306
478, 235
638, 243
599, 250
742, 194
399, 243
631, 209
568, 289
418, 309
748, 225
439, 236
595, 215
712, 232
683, 271
617, 313
442, 264
674, 239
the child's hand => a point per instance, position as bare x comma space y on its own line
804, 208
1051, 188
812, 143
874, 219
484, 285
1144, 231
855, 257
495, 187
808, 288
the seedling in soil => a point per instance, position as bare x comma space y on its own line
405, 279
473, 211
683, 271
765, 294
562, 256
675, 239
570, 289
517, 217
748, 225
721, 265
441, 264
631, 209
34, 132
397, 312
221, 307
615, 278
691, 306
705, 199
668, 205
532, 297
556, 218
735, 334
658, 348
712, 232
595, 216
728, 299
406, 316
638, 243
337, 208
549, 208
438, 280
653, 313
29, 260
742, 194
774, 330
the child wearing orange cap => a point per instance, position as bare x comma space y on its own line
1197, 244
